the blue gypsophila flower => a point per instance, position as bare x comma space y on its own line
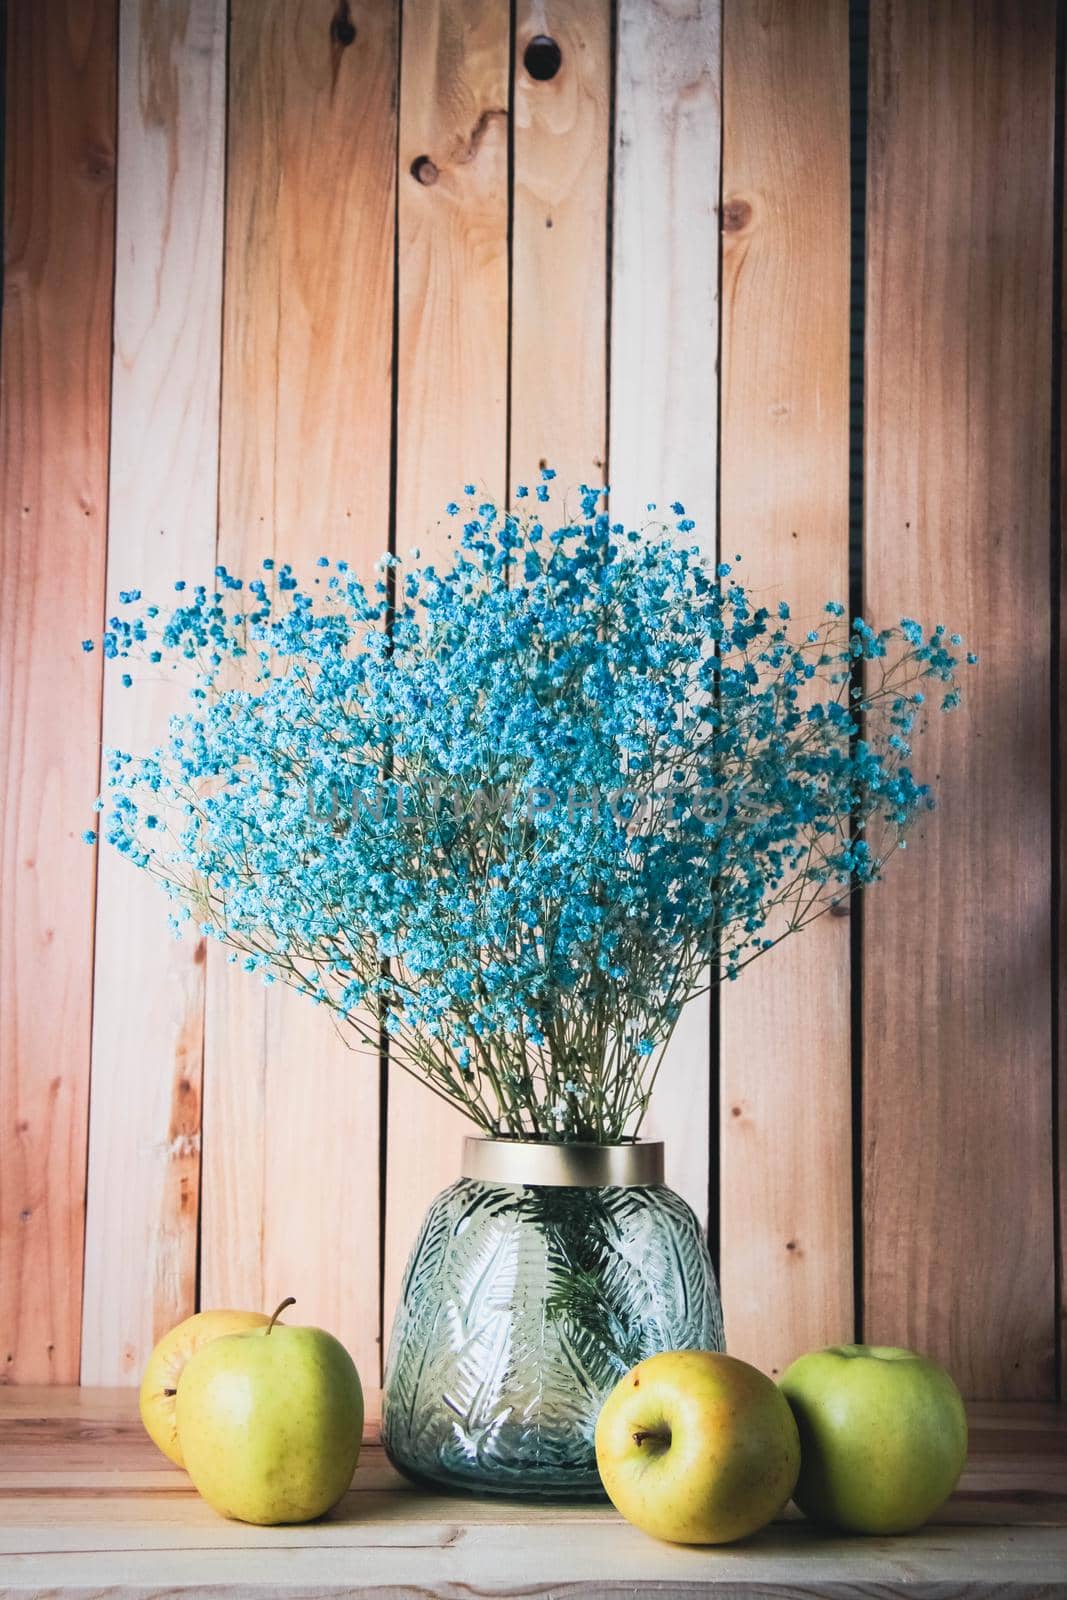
506, 811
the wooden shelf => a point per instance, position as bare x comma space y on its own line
87, 1504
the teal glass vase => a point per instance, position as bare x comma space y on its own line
539, 1278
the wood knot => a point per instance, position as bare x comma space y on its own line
542, 57
342, 28
464, 150
99, 164
423, 170
736, 216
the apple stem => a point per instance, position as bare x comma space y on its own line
661, 1435
290, 1302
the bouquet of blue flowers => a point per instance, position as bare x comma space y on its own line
513, 814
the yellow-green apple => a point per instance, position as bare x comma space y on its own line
271, 1422
697, 1448
159, 1386
883, 1436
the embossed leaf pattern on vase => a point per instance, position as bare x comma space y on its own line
520, 1310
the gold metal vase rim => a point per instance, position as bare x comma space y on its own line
565, 1166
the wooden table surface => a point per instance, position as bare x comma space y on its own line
88, 1506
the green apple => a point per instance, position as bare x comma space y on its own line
159, 1386
697, 1448
270, 1422
883, 1436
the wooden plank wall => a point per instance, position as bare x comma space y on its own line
664, 400
55, 373
364, 253
291, 1194
148, 999
957, 1109
785, 1084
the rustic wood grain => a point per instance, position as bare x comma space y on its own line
119, 1519
453, 293
988, 1568
957, 1201
559, 244
148, 999
290, 1202
89, 1443
54, 378
785, 1073
664, 384
451, 412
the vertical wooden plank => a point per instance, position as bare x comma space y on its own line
148, 1006
559, 240
957, 1202
291, 1148
451, 408
453, 286
54, 378
785, 1075
664, 381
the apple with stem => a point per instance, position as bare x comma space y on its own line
697, 1447
883, 1436
271, 1421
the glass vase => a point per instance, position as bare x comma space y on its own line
538, 1280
